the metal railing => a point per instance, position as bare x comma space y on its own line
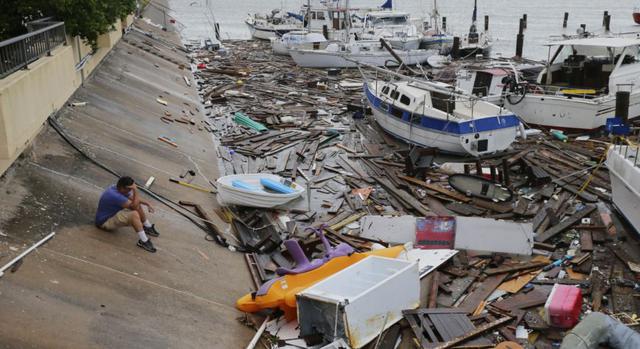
628, 152
17, 53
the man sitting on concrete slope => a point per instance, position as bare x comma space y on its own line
120, 206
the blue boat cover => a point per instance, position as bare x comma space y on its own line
276, 186
246, 186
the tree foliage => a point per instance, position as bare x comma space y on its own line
85, 18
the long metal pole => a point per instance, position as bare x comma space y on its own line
20, 256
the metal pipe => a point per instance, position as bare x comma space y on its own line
20, 256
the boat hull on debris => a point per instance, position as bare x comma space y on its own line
577, 88
625, 181
228, 194
475, 137
347, 59
297, 40
570, 113
266, 31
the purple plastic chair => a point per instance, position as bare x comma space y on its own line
302, 263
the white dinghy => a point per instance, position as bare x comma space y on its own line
256, 190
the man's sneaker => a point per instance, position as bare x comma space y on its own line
147, 246
151, 230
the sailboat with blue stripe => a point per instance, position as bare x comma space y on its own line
437, 115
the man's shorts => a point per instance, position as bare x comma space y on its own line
121, 219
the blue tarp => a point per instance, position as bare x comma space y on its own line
296, 16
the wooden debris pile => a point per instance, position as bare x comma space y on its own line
321, 137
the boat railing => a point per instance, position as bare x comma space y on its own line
554, 90
628, 152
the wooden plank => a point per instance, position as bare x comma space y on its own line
516, 284
417, 330
523, 300
480, 293
437, 188
404, 196
477, 331
565, 224
433, 292
465, 209
586, 243
500, 208
517, 267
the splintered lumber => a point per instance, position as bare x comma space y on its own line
517, 267
206, 220
403, 196
477, 331
564, 225
437, 188
480, 293
523, 300
349, 220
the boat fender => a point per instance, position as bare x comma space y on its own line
523, 132
276, 186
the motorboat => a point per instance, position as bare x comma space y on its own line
299, 39
475, 43
489, 80
436, 115
257, 190
272, 25
624, 170
577, 88
350, 54
393, 26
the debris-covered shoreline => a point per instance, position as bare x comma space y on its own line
312, 127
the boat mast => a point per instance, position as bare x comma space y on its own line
436, 16
472, 29
308, 24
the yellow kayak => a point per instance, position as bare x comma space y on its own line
281, 292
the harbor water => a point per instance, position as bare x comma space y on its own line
194, 18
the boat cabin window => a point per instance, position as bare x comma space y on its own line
443, 102
395, 94
388, 20
385, 90
397, 112
416, 119
405, 100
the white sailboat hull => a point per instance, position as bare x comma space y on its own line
495, 138
342, 59
450, 143
268, 32
625, 182
570, 113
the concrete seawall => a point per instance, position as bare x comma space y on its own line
87, 288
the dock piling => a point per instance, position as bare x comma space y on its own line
455, 50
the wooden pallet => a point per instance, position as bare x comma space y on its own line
434, 327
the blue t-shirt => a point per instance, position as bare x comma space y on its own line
110, 203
